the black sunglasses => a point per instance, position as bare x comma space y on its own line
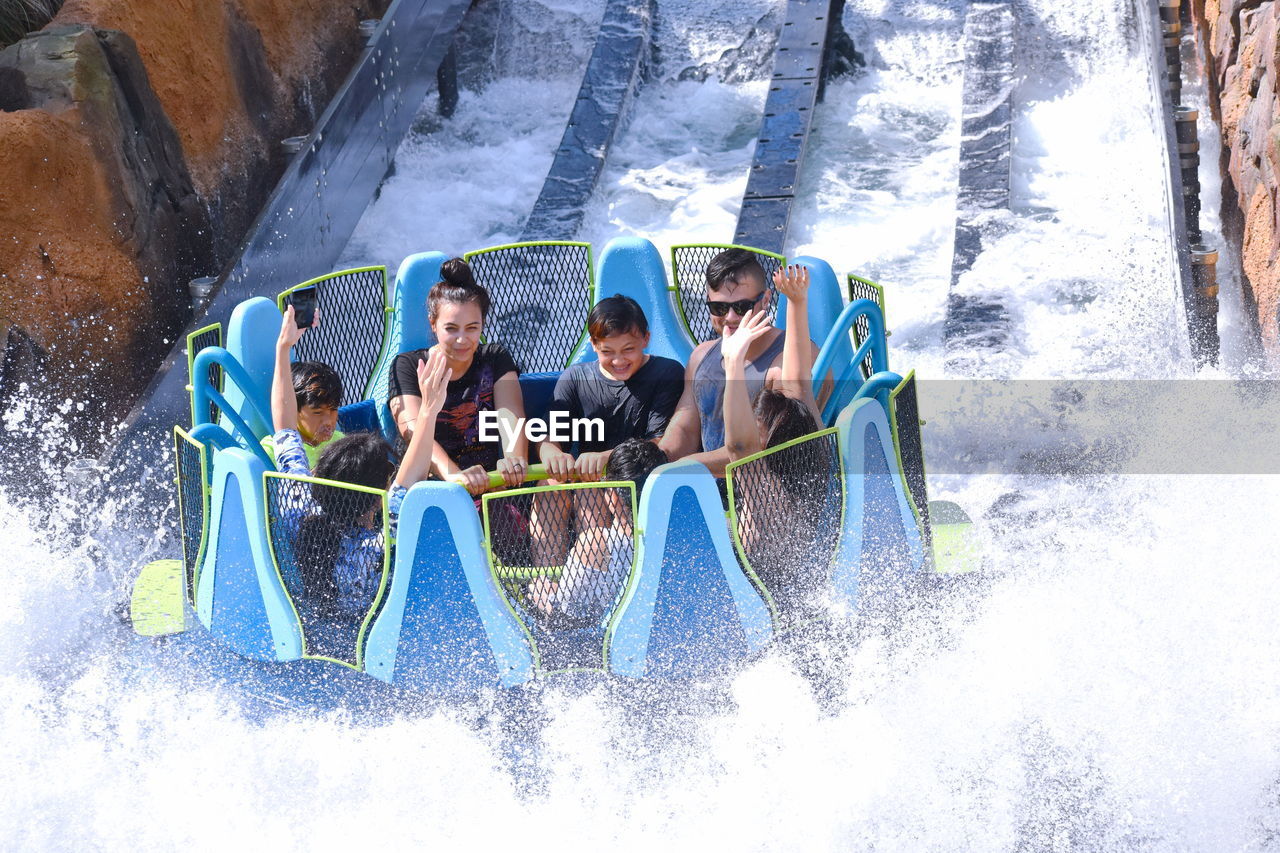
741, 307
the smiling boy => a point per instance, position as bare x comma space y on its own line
632, 392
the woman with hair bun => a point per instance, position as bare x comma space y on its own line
484, 378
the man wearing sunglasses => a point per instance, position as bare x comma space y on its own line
735, 287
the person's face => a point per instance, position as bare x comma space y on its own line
457, 328
746, 286
317, 423
621, 355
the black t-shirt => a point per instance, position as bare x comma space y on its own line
458, 424
637, 408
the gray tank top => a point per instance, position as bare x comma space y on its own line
708, 388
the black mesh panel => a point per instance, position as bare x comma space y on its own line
329, 545
192, 496
689, 268
906, 424
861, 288
562, 558
197, 341
541, 295
788, 507
352, 323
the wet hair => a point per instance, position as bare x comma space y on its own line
316, 384
782, 418
732, 265
634, 460
457, 286
362, 459
616, 315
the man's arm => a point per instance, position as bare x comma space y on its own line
741, 435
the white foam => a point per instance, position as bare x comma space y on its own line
1117, 688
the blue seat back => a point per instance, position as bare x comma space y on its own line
536, 389
251, 339
880, 544
691, 611
444, 627
239, 597
408, 329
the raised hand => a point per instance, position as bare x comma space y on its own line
792, 282
290, 334
433, 384
734, 346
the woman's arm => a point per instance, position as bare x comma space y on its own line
404, 410
509, 401
741, 435
796, 381
433, 382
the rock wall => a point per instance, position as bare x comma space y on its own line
140, 138
1239, 41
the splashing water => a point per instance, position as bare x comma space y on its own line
1114, 688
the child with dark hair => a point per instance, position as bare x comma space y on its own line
318, 392
632, 392
595, 571
788, 410
340, 549
486, 379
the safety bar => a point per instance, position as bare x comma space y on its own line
878, 385
846, 376
203, 395
532, 473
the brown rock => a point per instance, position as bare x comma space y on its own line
1243, 65
140, 139
260, 70
96, 208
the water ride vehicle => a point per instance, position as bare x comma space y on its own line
818, 525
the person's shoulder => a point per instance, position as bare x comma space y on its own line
494, 351
778, 340
700, 352
663, 366
581, 372
411, 356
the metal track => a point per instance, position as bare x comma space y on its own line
794, 91
612, 76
